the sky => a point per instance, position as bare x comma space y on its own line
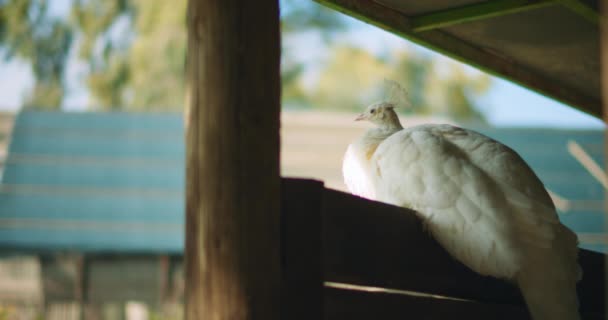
505, 105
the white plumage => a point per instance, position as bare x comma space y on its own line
478, 198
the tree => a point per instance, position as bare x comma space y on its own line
135, 49
135, 52
452, 95
27, 31
353, 78
349, 80
105, 45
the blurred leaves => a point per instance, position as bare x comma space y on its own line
134, 51
353, 78
349, 80
28, 32
301, 16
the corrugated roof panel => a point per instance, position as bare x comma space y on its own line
119, 187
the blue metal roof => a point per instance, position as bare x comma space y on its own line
546, 152
114, 182
94, 182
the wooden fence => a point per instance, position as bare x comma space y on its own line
336, 238
343, 257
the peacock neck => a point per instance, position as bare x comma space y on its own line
390, 121
392, 126
373, 137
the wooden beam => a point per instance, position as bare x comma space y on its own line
391, 249
359, 305
582, 10
373, 244
474, 12
377, 246
398, 23
232, 160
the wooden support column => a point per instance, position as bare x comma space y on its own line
604, 58
604, 80
232, 197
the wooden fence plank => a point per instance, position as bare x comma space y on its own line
355, 305
376, 244
301, 249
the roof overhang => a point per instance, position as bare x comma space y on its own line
551, 47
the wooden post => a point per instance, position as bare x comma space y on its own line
604, 81
232, 138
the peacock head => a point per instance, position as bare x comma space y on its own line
381, 114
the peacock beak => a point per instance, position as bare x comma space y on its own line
360, 117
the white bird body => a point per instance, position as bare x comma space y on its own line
478, 198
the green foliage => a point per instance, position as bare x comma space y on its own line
135, 49
28, 32
292, 91
144, 70
353, 79
452, 95
135, 52
105, 53
137, 64
349, 80
300, 16
157, 57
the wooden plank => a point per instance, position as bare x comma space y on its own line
474, 12
359, 305
396, 22
592, 288
301, 249
582, 9
375, 244
232, 136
